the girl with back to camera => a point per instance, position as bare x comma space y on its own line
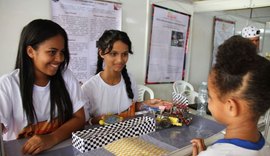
113, 90
41, 99
239, 93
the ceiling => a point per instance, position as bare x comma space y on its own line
256, 14
261, 14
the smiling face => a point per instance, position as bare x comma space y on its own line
117, 58
47, 58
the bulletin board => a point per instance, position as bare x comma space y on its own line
168, 45
84, 22
223, 29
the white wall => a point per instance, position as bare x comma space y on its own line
14, 14
201, 49
202, 46
266, 41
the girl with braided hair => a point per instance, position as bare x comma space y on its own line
112, 90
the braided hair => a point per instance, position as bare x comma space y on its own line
105, 45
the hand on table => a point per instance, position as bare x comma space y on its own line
37, 144
158, 102
130, 112
197, 146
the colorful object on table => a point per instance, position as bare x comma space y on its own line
169, 114
168, 105
163, 121
175, 121
180, 108
147, 108
110, 119
181, 112
167, 120
161, 109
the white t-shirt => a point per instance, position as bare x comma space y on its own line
11, 109
237, 147
102, 98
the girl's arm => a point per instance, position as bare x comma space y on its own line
39, 143
153, 103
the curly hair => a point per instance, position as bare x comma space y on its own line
237, 63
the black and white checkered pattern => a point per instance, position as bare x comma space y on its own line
179, 99
90, 139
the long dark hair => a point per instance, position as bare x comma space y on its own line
239, 67
105, 45
33, 35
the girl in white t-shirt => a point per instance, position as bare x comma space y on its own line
239, 93
113, 90
41, 99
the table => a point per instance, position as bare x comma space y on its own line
174, 139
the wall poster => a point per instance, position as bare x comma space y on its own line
84, 22
168, 45
223, 29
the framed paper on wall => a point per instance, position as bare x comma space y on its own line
223, 29
84, 22
168, 45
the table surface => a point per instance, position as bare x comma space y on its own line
174, 139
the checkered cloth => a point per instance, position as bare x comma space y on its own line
90, 139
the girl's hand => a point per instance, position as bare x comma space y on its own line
157, 103
197, 146
95, 120
130, 112
38, 143
154, 102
